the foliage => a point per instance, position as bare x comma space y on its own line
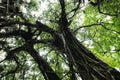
95, 24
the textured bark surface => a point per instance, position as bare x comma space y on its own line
88, 66
80, 60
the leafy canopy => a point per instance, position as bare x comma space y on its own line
95, 26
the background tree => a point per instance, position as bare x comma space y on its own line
49, 35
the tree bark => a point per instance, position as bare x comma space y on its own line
89, 67
44, 67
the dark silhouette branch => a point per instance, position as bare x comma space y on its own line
44, 28
95, 24
38, 25
46, 70
13, 33
11, 53
75, 9
110, 14
63, 22
102, 24
98, 5
63, 11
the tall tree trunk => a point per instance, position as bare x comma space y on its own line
46, 70
89, 67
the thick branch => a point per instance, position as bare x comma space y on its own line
46, 70
44, 28
62, 4
13, 33
38, 25
10, 53
63, 22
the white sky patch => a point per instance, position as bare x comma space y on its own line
83, 6
43, 6
43, 52
108, 18
78, 77
53, 1
38, 38
29, 62
49, 58
2, 30
2, 55
81, 30
89, 43
31, 73
80, 18
64, 66
11, 41
23, 9
36, 13
112, 49
78, 37
26, 1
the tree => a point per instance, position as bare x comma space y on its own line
53, 31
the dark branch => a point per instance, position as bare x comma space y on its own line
44, 41
10, 23
96, 24
44, 28
10, 53
115, 14
75, 9
46, 70
40, 26
13, 33
109, 29
63, 22
98, 4
62, 4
